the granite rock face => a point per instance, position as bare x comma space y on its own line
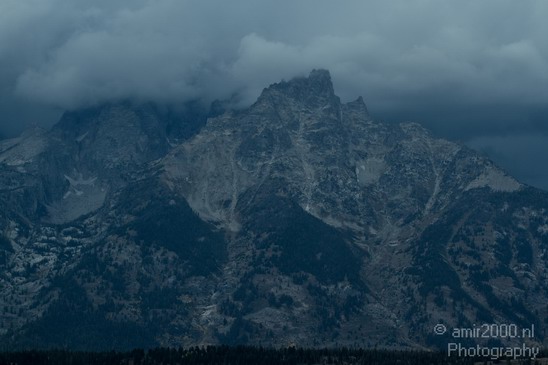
299, 220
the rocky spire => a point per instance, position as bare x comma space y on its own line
316, 90
319, 81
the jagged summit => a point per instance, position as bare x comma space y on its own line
316, 90
320, 81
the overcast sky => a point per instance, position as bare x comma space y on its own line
473, 71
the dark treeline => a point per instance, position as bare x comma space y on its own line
225, 355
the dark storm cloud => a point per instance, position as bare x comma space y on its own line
467, 69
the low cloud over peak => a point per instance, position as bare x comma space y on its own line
424, 60
70, 54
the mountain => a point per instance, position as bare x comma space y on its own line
299, 220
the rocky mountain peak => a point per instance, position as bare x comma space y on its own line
320, 80
313, 91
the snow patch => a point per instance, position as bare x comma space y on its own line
83, 196
368, 172
79, 181
81, 138
496, 180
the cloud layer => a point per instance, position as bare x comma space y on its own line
466, 67
73, 53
